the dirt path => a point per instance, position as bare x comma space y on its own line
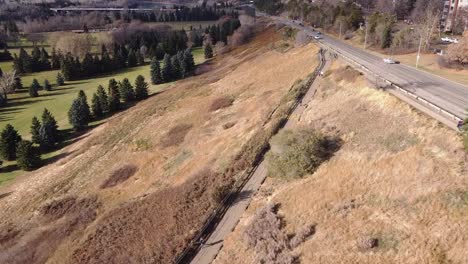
214, 243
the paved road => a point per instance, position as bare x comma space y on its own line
447, 94
214, 243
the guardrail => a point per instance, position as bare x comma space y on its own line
212, 221
404, 91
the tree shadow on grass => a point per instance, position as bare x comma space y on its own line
10, 168
17, 102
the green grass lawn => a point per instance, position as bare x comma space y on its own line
22, 108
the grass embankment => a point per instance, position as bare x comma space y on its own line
395, 192
22, 108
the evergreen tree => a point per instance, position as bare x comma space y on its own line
96, 106
60, 80
44, 63
29, 157
166, 72
103, 100
79, 113
9, 138
114, 96
18, 85
34, 88
155, 71
36, 60
132, 59
141, 88
48, 133
35, 128
55, 60
189, 62
126, 90
113, 88
47, 86
87, 66
208, 51
176, 71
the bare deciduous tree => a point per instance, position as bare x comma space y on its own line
7, 86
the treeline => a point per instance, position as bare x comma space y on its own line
221, 31
45, 133
159, 42
271, 7
37, 61
179, 15
175, 67
73, 68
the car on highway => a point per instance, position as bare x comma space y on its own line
318, 37
318, 32
389, 61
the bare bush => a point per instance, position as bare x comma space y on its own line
366, 243
221, 102
220, 48
120, 175
264, 234
220, 193
458, 53
176, 135
241, 36
76, 44
302, 38
302, 235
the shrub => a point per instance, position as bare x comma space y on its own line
47, 86
296, 153
221, 102
242, 35
264, 234
120, 175
302, 235
220, 193
60, 79
176, 135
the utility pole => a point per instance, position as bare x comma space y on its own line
365, 37
340, 30
419, 51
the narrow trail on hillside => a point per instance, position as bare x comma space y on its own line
223, 221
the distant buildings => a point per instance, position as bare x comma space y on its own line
451, 13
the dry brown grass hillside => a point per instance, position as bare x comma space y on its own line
395, 192
135, 189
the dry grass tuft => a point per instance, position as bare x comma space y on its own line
221, 102
176, 135
302, 235
347, 74
120, 175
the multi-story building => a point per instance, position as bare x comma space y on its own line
451, 13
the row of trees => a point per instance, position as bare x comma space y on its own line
102, 103
37, 61
180, 14
73, 68
45, 134
174, 67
